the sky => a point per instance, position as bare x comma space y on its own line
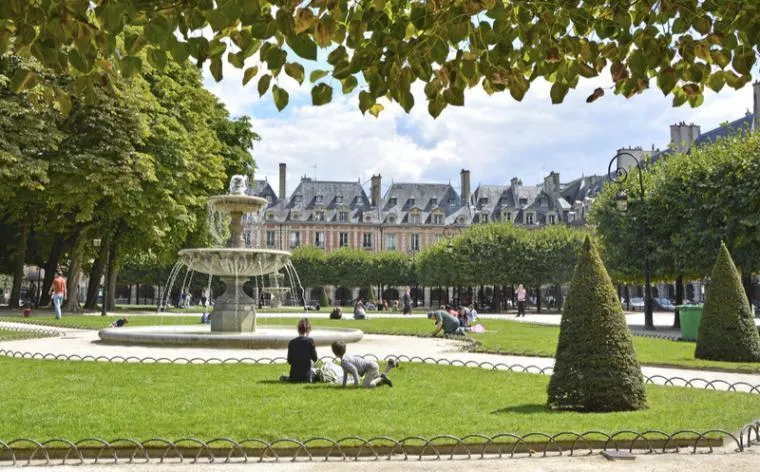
494, 137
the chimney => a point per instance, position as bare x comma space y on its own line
756, 89
682, 136
465, 176
283, 192
551, 183
627, 162
375, 189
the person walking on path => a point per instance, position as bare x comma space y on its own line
59, 293
407, 301
521, 295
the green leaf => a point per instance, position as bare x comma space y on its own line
317, 74
23, 80
180, 51
436, 106
406, 100
349, 84
249, 74
454, 96
281, 97
304, 20
64, 100
157, 58
236, 60
275, 58
295, 70
375, 110
263, 85
303, 46
130, 65
366, 100
716, 81
558, 92
216, 68
321, 94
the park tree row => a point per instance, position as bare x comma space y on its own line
693, 201
131, 166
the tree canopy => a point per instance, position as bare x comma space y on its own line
385, 46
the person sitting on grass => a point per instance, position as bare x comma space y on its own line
446, 323
361, 367
120, 322
301, 353
359, 312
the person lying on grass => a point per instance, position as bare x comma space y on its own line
301, 353
358, 367
446, 323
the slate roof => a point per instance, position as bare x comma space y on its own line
742, 125
329, 197
428, 199
261, 188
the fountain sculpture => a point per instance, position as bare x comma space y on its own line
233, 321
277, 290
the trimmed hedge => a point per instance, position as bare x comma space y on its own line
596, 367
727, 331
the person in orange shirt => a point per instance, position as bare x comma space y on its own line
58, 291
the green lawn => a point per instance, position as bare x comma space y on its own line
504, 336
74, 400
12, 335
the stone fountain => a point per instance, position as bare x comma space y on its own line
277, 290
233, 321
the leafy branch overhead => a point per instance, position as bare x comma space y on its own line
679, 46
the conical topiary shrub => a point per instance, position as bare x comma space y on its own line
727, 331
323, 299
595, 368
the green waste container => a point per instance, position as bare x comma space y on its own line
690, 316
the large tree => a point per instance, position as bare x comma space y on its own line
385, 46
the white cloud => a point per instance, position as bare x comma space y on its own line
493, 136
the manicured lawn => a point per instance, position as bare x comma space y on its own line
504, 336
11, 335
74, 400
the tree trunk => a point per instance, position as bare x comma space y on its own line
113, 271
50, 267
18, 266
627, 297
679, 300
538, 298
94, 282
558, 296
75, 271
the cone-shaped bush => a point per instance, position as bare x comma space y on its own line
323, 300
595, 368
727, 331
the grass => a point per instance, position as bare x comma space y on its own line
74, 400
11, 335
502, 336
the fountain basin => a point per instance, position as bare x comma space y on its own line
237, 203
231, 262
201, 336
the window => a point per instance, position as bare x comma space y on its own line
343, 239
523, 201
295, 215
552, 219
270, 239
318, 199
529, 219
438, 237
414, 242
339, 199
392, 220
270, 216
319, 239
460, 220
414, 218
319, 216
358, 201
390, 241
438, 219
484, 201
295, 239
484, 217
297, 199
392, 201
411, 202
367, 241
343, 216
507, 216
433, 201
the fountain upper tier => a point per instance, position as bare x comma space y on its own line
231, 262
237, 203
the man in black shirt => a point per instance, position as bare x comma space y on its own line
301, 353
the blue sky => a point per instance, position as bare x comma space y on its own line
494, 137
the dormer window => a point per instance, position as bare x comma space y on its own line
343, 216
319, 216
392, 201
411, 201
297, 199
523, 201
339, 199
295, 215
552, 219
433, 201
438, 219
414, 218
270, 216
484, 217
460, 220
318, 199
358, 201
392, 220
484, 201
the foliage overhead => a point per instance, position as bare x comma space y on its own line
596, 367
727, 331
385, 46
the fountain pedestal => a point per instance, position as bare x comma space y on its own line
234, 311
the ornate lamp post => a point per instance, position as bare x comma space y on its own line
103, 311
618, 176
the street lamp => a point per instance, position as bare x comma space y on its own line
97, 242
619, 176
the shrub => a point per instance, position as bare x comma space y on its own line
727, 331
323, 300
596, 367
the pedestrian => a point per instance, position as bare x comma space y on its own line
361, 367
521, 295
59, 293
204, 303
406, 299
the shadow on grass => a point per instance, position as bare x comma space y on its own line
527, 409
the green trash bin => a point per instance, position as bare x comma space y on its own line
690, 316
